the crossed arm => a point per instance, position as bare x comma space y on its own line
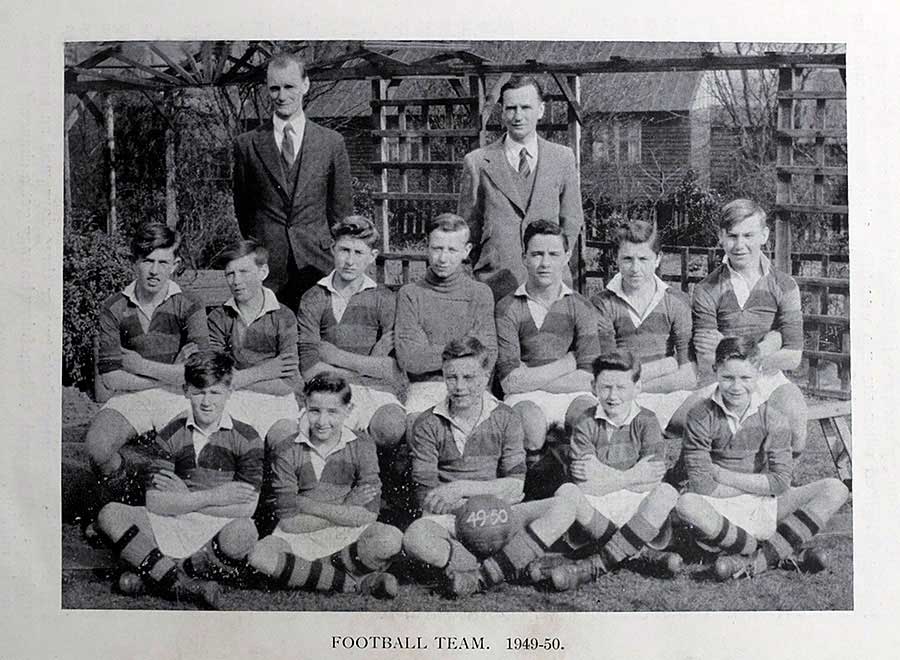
170, 496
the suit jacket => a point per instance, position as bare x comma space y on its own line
491, 203
289, 218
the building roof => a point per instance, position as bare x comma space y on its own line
606, 93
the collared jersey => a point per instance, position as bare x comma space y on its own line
178, 320
272, 333
231, 453
618, 446
757, 443
570, 325
299, 468
494, 448
664, 330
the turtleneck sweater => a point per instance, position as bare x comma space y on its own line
434, 310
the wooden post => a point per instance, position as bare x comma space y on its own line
111, 154
576, 262
379, 123
171, 192
476, 89
67, 183
784, 158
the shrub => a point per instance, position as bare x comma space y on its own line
94, 266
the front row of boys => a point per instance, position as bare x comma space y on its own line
324, 467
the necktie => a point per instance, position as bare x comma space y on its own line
287, 145
524, 169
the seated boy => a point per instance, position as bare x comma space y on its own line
327, 489
546, 339
640, 313
196, 522
747, 297
346, 327
617, 462
261, 336
445, 304
146, 332
737, 454
471, 444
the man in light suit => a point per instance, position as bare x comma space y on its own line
291, 184
511, 183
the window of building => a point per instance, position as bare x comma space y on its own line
617, 141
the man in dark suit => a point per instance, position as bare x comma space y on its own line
514, 181
291, 184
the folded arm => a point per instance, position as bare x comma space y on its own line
528, 379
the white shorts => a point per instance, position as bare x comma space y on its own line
260, 410
663, 405
765, 385
366, 400
422, 396
554, 406
148, 409
756, 514
181, 536
322, 542
619, 506
445, 520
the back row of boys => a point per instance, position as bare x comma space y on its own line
558, 357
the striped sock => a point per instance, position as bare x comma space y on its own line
318, 575
732, 539
348, 560
598, 530
139, 550
628, 541
508, 564
533, 457
211, 559
790, 535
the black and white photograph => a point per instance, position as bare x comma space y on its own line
456, 325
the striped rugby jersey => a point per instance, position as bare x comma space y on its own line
299, 469
234, 452
619, 447
178, 320
494, 448
272, 333
665, 331
368, 316
569, 326
759, 443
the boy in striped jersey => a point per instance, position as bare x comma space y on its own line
146, 332
443, 305
325, 478
737, 454
618, 462
640, 313
471, 444
546, 339
747, 297
196, 523
261, 336
346, 325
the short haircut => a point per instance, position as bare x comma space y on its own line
154, 236
328, 382
284, 60
618, 361
637, 231
448, 222
517, 82
208, 368
737, 348
544, 228
356, 226
464, 347
241, 249
739, 210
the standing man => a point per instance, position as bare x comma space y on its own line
291, 184
514, 181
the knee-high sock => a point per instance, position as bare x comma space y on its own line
629, 540
507, 564
598, 530
139, 549
294, 572
790, 535
732, 539
212, 559
349, 560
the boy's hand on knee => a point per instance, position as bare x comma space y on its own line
384, 346
443, 499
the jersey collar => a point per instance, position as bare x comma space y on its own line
225, 422
522, 292
489, 403
270, 304
129, 292
735, 421
632, 413
347, 436
615, 286
328, 283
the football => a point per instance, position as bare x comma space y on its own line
484, 524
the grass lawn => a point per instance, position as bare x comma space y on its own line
88, 575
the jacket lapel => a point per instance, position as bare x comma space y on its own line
545, 169
499, 171
264, 144
307, 156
